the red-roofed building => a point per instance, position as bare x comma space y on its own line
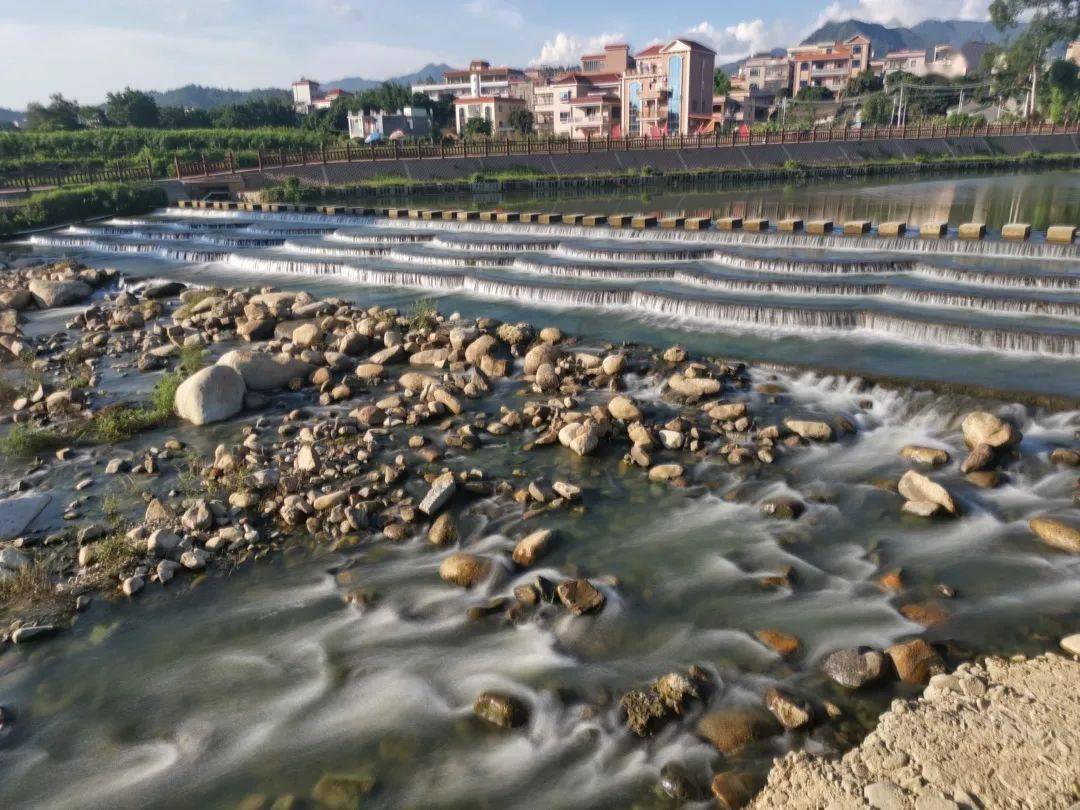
669, 91
479, 79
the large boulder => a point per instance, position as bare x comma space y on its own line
855, 667
263, 371
920, 489
1056, 533
210, 395
981, 427
18, 513
729, 730
49, 293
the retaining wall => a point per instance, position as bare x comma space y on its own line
672, 160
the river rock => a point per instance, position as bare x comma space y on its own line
982, 457
579, 596
11, 559
694, 387
443, 530
624, 409
441, 491
339, 791
1056, 533
34, 632
783, 506
665, 472
132, 585
782, 643
730, 730
162, 542
915, 661
788, 710
917, 487
980, 427
48, 293
854, 668
541, 354
210, 395
930, 456
262, 371
465, 570
18, 513
810, 430
501, 709
531, 547
485, 344
1071, 644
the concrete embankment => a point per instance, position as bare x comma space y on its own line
994, 735
687, 160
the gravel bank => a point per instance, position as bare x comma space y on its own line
999, 734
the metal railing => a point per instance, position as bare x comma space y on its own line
396, 150
30, 179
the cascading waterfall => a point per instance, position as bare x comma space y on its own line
435, 260
380, 238
917, 297
994, 278
172, 254
181, 236
789, 319
633, 256
765, 264
989, 248
341, 252
518, 246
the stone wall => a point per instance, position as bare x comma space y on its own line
672, 160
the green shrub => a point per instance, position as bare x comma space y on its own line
80, 202
25, 441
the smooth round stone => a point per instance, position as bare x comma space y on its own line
1071, 644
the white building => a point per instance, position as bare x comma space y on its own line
411, 122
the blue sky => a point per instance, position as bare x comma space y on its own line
84, 48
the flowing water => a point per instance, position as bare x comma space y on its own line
256, 684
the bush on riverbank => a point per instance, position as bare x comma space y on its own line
80, 202
100, 148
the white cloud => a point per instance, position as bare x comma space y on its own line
495, 11
736, 41
566, 49
109, 58
889, 12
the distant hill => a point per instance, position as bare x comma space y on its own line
925, 35
207, 98
355, 84
10, 116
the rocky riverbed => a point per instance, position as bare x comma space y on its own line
281, 420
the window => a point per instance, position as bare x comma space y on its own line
564, 117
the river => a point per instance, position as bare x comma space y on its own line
224, 690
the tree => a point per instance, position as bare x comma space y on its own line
721, 83
477, 127
522, 121
814, 93
131, 108
877, 110
1049, 21
862, 83
60, 113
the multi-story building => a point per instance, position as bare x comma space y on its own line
496, 110
411, 122
909, 61
615, 59
767, 72
943, 60
579, 105
480, 79
829, 64
669, 90
304, 93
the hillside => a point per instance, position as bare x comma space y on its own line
207, 98
926, 34
10, 116
355, 84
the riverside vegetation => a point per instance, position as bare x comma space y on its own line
348, 426
74, 203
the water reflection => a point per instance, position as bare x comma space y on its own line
1039, 198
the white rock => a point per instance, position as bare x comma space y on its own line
210, 395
